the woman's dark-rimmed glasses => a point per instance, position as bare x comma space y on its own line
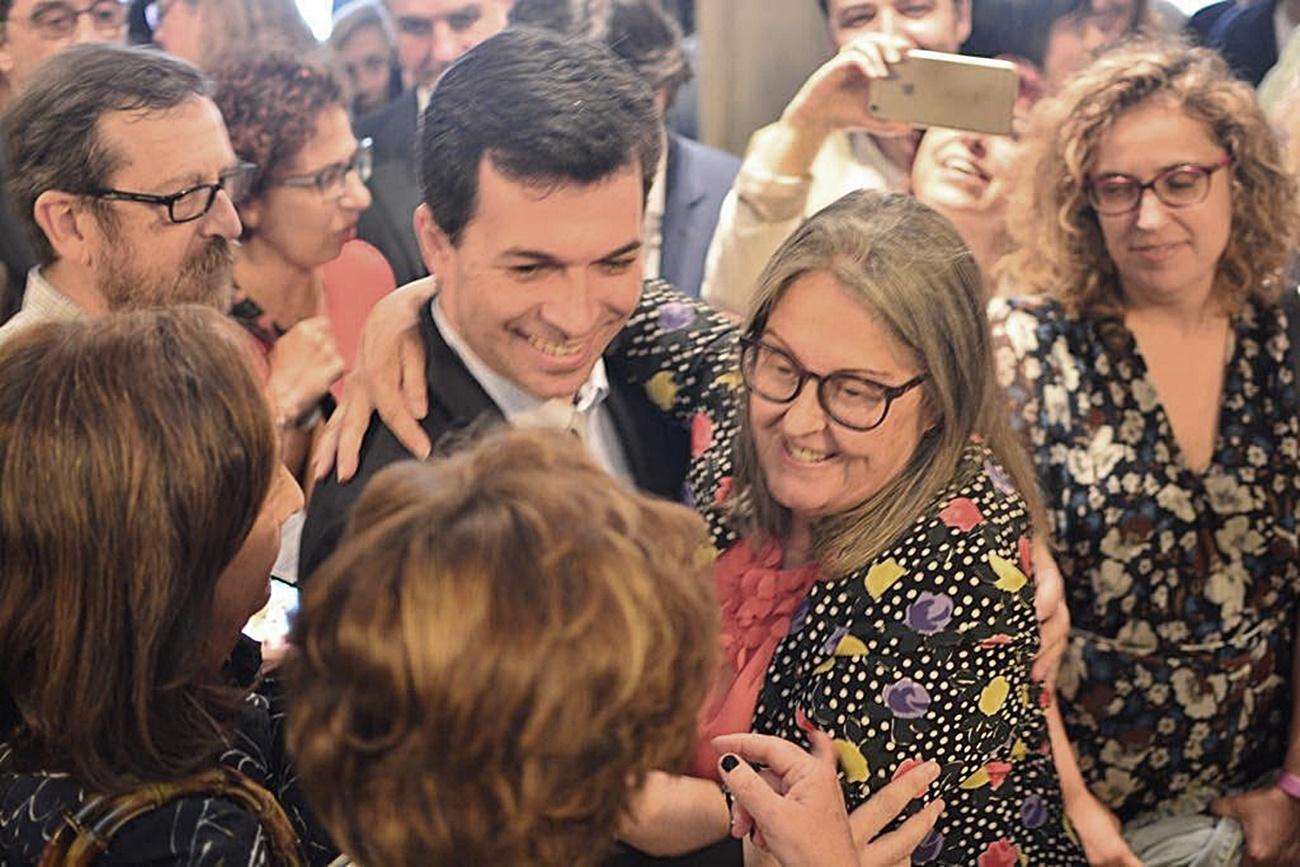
849, 398
332, 180
1177, 187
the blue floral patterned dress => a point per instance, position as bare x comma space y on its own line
1181, 584
923, 653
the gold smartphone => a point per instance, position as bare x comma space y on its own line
931, 88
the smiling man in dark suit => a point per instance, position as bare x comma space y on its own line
536, 157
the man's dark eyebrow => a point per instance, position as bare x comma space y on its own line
626, 250
176, 183
536, 256
541, 257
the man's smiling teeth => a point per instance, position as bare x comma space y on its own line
807, 456
559, 350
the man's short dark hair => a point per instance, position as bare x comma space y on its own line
52, 127
549, 111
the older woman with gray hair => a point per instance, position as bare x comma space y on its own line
881, 590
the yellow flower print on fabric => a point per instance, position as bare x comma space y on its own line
994, 695
1010, 578
852, 762
662, 389
731, 380
850, 646
883, 576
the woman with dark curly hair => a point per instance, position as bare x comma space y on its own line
303, 282
140, 510
1152, 377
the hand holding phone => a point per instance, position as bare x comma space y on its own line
931, 88
836, 95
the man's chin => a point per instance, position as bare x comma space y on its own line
562, 386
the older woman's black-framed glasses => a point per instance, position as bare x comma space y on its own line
332, 180
1178, 186
850, 399
192, 203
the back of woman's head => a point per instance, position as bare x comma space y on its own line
135, 453
505, 644
911, 270
1058, 245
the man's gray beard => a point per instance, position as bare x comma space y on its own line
204, 278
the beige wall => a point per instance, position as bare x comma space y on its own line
754, 55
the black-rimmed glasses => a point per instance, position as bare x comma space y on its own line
59, 20
1177, 186
849, 398
332, 180
194, 202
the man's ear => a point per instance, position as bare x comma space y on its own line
6, 57
436, 248
66, 223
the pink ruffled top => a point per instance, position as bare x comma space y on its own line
758, 600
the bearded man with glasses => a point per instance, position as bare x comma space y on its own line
125, 180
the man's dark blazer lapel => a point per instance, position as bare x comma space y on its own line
657, 447
456, 400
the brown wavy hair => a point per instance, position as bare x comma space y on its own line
908, 266
135, 454
506, 643
271, 101
1058, 249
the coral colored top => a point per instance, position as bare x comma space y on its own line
353, 282
759, 599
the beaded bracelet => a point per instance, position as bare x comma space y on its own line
1289, 783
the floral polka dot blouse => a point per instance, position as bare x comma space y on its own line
1181, 584
924, 653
